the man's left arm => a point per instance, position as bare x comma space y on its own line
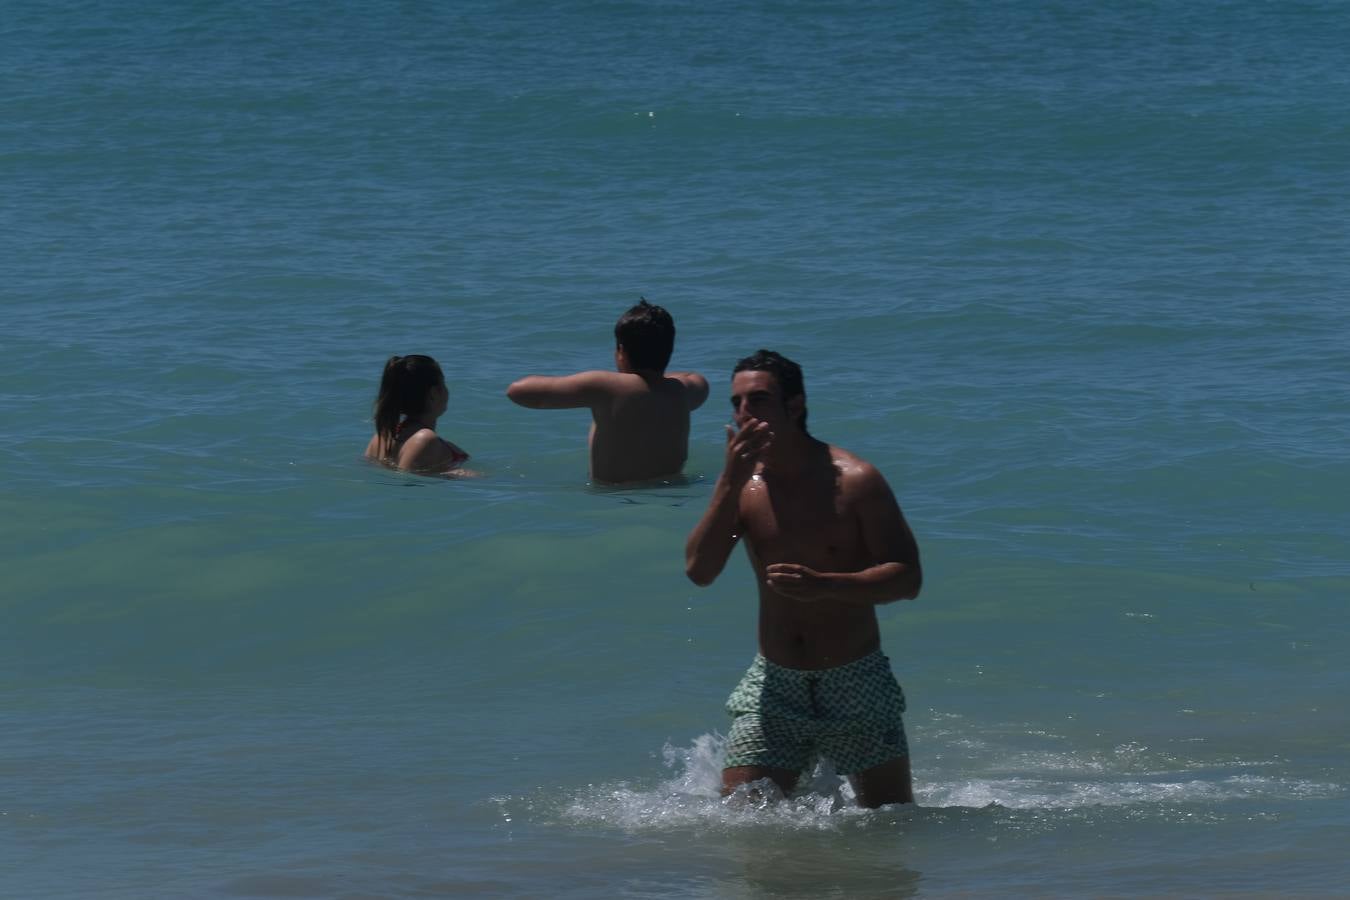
895, 572
695, 388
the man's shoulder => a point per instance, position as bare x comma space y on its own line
689, 379
855, 473
692, 385
667, 383
847, 461
608, 387
606, 381
605, 376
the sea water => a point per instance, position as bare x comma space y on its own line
1073, 275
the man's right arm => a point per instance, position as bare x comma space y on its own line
565, 392
715, 536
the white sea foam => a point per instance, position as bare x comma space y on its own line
825, 801
1034, 793
693, 797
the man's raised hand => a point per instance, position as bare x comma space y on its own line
745, 447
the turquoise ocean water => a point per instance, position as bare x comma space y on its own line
1073, 276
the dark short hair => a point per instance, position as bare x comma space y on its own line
647, 334
787, 373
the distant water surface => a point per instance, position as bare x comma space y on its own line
1072, 277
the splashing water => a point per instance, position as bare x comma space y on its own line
693, 797
825, 800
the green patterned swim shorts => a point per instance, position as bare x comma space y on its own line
784, 718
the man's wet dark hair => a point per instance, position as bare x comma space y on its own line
787, 372
647, 334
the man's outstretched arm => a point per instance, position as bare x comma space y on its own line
562, 392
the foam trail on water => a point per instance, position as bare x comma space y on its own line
1034, 793
825, 799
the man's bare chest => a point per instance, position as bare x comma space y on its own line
804, 524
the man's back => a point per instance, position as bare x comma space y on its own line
642, 433
639, 413
639, 423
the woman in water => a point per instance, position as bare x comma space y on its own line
412, 397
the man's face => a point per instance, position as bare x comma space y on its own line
757, 395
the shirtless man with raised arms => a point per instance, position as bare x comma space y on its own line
827, 543
640, 413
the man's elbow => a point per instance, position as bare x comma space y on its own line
906, 586
913, 584
697, 386
698, 578
699, 575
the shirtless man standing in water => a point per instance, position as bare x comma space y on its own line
827, 543
640, 413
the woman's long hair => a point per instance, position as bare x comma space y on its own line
404, 387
